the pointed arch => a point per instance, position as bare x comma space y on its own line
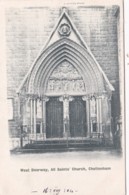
79, 57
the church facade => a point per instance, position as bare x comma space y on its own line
72, 89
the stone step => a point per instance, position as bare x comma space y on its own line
63, 144
60, 149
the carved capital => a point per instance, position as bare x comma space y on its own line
71, 98
105, 95
85, 98
45, 98
32, 96
109, 97
61, 99
66, 98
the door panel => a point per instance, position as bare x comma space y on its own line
54, 118
38, 128
77, 110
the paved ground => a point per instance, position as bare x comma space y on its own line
76, 155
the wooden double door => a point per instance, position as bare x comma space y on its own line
55, 118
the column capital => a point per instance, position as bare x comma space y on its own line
90, 96
85, 98
45, 98
99, 97
107, 96
66, 97
32, 96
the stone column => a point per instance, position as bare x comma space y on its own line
87, 99
20, 120
19, 110
34, 116
31, 115
66, 99
26, 112
99, 114
110, 115
44, 100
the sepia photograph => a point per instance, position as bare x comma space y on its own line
63, 112
64, 78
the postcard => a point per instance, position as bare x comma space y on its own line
63, 97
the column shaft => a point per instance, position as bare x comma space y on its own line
98, 115
88, 117
31, 116
44, 118
25, 113
66, 99
66, 132
34, 116
19, 113
109, 103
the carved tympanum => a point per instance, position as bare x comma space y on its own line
65, 78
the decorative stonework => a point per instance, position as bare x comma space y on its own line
65, 71
66, 98
65, 78
64, 29
39, 109
94, 79
93, 107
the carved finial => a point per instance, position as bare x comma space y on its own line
64, 9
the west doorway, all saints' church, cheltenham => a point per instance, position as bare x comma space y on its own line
66, 95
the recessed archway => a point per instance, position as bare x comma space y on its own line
77, 56
66, 74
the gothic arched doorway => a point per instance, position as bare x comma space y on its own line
68, 94
66, 113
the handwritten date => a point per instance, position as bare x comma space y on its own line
57, 191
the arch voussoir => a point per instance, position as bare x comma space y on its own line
70, 51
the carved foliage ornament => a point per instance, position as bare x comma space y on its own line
64, 29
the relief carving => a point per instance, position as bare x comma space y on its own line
64, 30
93, 107
65, 78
